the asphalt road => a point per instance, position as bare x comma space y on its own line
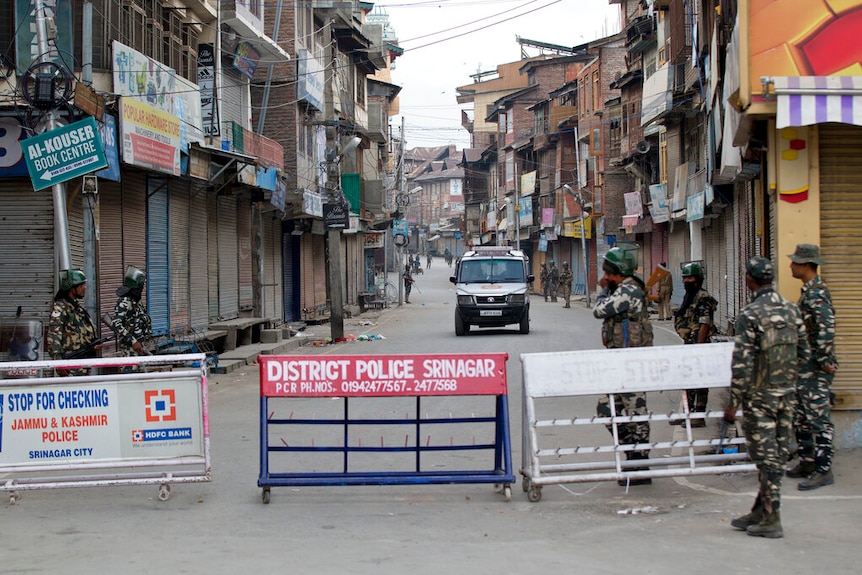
672, 525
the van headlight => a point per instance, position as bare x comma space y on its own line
518, 298
465, 300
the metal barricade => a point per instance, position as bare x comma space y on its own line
572, 447
340, 445
146, 423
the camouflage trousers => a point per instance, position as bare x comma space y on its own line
627, 404
566, 292
813, 424
768, 426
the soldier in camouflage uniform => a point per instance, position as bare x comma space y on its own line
543, 278
131, 322
623, 308
566, 278
553, 280
693, 322
814, 427
70, 328
770, 347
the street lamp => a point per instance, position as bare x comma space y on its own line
579, 198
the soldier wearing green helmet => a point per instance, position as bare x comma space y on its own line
693, 322
70, 328
622, 307
131, 322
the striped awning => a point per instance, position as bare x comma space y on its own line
807, 100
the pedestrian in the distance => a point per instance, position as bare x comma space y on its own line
408, 283
770, 348
814, 429
566, 278
694, 322
70, 328
622, 306
665, 292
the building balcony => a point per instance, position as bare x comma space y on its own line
640, 34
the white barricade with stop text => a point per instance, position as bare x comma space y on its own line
145, 427
400, 419
566, 442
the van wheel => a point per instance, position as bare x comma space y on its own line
460, 327
525, 323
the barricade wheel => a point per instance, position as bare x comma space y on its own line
264, 495
534, 494
164, 492
507, 493
14, 496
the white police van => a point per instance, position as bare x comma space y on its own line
492, 285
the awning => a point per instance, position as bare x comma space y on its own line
807, 100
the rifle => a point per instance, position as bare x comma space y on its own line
89, 349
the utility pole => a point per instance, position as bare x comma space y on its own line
61, 224
333, 194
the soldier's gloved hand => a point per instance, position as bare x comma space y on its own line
138, 347
730, 414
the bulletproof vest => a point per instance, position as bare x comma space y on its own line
776, 360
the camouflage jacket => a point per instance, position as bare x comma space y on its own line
625, 314
769, 348
566, 277
554, 275
700, 311
815, 303
543, 275
131, 322
69, 329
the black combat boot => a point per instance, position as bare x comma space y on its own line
753, 518
802, 469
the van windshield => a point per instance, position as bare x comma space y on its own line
491, 271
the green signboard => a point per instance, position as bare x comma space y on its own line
64, 153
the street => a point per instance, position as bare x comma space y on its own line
672, 525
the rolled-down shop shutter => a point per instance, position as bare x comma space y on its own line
313, 276
841, 236
246, 288
290, 250
198, 253
677, 248
272, 276
158, 254
27, 257
228, 269
179, 256
212, 258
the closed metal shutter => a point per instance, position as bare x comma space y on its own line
313, 276
228, 269
135, 226
158, 254
246, 286
272, 276
677, 248
354, 271
179, 256
198, 253
110, 244
841, 236
75, 217
27, 258
290, 250
212, 258
233, 102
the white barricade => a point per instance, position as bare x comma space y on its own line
579, 444
148, 426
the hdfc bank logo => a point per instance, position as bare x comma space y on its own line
161, 405
137, 435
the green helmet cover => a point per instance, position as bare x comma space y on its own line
692, 269
71, 278
134, 277
621, 261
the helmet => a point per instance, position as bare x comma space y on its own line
760, 268
134, 277
71, 278
620, 261
692, 269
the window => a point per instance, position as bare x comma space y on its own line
510, 122
662, 156
596, 92
596, 141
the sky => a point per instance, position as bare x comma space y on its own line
445, 41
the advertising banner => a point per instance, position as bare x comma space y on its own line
151, 137
100, 421
384, 375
